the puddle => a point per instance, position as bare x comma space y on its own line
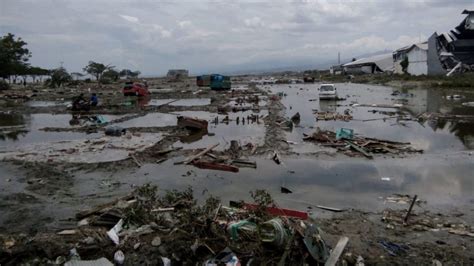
431, 138
181, 102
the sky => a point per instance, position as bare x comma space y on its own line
219, 36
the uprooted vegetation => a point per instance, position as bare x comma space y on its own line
170, 225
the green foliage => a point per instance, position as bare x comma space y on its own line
59, 77
13, 55
96, 69
4, 85
127, 73
111, 74
404, 64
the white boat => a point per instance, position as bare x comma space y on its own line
327, 92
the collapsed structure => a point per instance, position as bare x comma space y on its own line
370, 65
441, 54
177, 74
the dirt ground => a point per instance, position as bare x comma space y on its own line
45, 177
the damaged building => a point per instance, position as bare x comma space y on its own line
441, 53
177, 74
370, 65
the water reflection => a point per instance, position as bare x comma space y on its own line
431, 136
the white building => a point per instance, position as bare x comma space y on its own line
417, 55
374, 64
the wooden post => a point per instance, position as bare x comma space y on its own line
409, 209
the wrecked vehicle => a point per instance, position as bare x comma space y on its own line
327, 92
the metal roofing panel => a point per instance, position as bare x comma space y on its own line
383, 61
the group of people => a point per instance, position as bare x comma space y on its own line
81, 104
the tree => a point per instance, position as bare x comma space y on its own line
404, 64
111, 74
14, 55
125, 73
96, 69
59, 76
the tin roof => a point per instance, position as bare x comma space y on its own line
383, 61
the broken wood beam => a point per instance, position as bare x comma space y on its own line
243, 163
359, 149
197, 156
405, 220
215, 166
337, 251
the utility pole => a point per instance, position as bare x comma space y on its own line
338, 58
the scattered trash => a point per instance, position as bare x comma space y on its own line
119, 257
362, 145
394, 249
97, 262
156, 241
225, 257
333, 116
115, 131
285, 190
192, 123
113, 233
296, 118
337, 251
344, 133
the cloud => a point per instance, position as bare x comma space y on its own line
153, 36
254, 22
130, 18
184, 24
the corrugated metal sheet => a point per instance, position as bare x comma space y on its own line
384, 62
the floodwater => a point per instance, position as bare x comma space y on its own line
222, 132
47, 103
20, 129
432, 138
181, 102
442, 175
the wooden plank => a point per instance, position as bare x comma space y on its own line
359, 149
409, 209
337, 251
199, 155
329, 208
215, 166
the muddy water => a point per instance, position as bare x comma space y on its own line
47, 103
442, 175
223, 132
443, 137
27, 129
181, 102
